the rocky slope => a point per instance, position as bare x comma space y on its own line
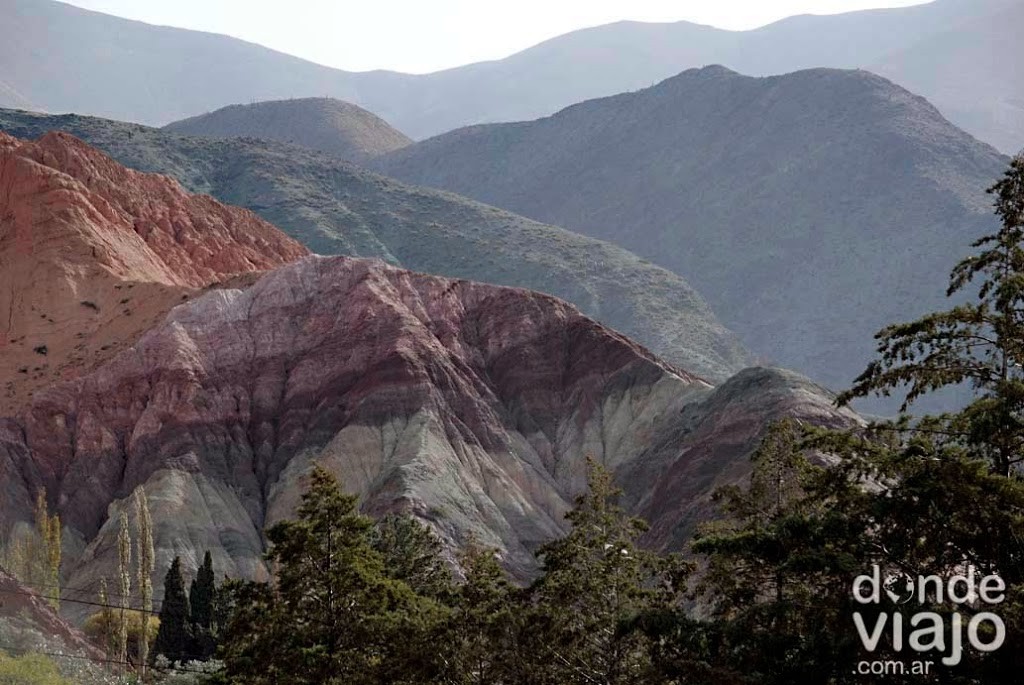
92, 254
153, 74
29, 625
810, 209
333, 126
336, 208
472, 406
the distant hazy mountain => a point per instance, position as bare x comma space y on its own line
974, 74
336, 208
333, 126
810, 209
12, 98
62, 58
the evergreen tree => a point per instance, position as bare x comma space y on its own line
202, 596
596, 583
332, 615
919, 496
174, 636
412, 554
980, 343
483, 628
954, 493
778, 569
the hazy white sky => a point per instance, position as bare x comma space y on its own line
426, 35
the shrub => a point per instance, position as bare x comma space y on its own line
29, 669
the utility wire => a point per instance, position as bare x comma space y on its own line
76, 601
62, 589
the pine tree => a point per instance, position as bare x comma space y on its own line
413, 554
332, 615
202, 596
173, 637
596, 583
947, 510
980, 343
778, 568
482, 630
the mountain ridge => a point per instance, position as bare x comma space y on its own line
470, 406
336, 208
528, 84
774, 195
91, 254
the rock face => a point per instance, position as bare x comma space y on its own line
811, 209
335, 208
30, 623
336, 127
709, 435
92, 254
471, 406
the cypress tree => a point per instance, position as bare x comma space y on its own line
201, 599
172, 640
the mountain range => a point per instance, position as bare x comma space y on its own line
811, 209
333, 207
469, 405
102, 65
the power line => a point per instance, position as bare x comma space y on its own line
62, 588
76, 601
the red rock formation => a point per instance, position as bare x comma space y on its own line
92, 254
472, 406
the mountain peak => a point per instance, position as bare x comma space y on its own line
774, 195
711, 71
92, 253
333, 126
